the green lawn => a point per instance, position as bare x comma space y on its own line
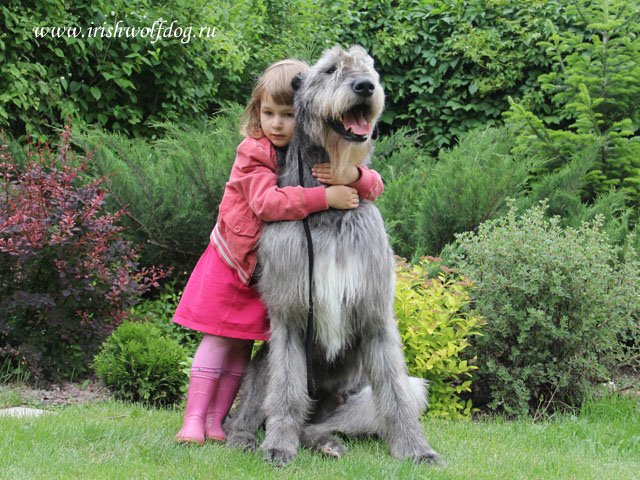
127, 441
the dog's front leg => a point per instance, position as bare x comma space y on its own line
394, 397
287, 401
241, 428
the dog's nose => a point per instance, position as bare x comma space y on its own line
364, 87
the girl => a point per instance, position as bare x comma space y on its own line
220, 298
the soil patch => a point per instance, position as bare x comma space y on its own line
65, 393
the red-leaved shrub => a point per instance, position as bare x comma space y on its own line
67, 277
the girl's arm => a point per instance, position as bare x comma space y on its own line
254, 175
367, 182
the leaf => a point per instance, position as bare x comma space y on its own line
125, 84
95, 91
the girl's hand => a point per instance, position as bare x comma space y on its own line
324, 174
342, 197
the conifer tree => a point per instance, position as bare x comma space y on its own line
595, 93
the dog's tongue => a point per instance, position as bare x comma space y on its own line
357, 122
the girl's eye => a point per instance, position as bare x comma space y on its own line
289, 115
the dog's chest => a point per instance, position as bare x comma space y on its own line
335, 292
348, 253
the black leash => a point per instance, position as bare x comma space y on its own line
309, 339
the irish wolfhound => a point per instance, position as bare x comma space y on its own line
361, 380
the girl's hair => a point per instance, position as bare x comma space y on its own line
275, 82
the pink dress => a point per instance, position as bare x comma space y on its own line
216, 302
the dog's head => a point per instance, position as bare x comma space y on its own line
338, 102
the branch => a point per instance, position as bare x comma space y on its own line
166, 247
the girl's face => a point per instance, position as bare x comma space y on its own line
277, 121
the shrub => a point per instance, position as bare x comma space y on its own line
159, 311
469, 185
561, 190
404, 166
425, 203
558, 304
172, 186
138, 364
66, 275
435, 330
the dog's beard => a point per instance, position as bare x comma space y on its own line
344, 154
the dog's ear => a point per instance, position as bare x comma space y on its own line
296, 82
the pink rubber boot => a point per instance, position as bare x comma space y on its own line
220, 404
201, 387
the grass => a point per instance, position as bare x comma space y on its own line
114, 440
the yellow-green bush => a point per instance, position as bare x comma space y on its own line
435, 329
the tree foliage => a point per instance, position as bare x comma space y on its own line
127, 83
449, 66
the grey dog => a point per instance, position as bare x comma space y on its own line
361, 380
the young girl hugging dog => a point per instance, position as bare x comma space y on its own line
220, 298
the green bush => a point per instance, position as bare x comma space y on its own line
173, 185
129, 83
559, 308
561, 190
425, 203
138, 364
435, 330
469, 185
159, 312
404, 166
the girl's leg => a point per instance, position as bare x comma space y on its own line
235, 365
205, 375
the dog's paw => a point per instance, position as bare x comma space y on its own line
331, 447
431, 457
419, 451
278, 456
244, 440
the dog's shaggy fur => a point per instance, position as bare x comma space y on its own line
359, 370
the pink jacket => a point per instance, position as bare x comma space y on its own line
252, 197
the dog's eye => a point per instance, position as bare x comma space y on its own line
330, 71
